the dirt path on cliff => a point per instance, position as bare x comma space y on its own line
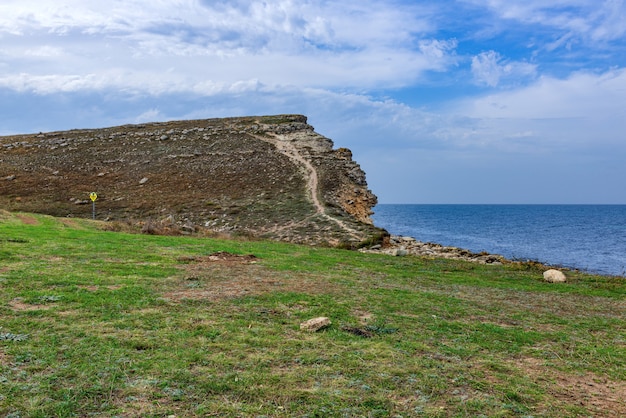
285, 146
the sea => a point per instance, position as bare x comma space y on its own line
590, 238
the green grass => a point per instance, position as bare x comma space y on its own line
96, 323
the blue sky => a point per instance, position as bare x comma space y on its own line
441, 101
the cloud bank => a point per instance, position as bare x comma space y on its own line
434, 98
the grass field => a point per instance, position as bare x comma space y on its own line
97, 323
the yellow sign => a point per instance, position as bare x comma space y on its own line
93, 196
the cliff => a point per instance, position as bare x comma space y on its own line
269, 177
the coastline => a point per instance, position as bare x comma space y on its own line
401, 246
584, 238
398, 246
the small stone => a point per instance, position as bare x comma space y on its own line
400, 252
143, 180
315, 324
188, 228
554, 276
11, 177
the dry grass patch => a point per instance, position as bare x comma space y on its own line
4, 359
26, 219
224, 276
541, 303
503, 322
222, 257
95, 288
597, 394
364, 317
69, 312
70, 223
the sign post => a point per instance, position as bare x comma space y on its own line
93, 196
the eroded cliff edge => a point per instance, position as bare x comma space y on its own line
269, 177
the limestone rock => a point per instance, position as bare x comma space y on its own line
315, 324
554, 276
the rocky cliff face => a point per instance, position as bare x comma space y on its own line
269, 177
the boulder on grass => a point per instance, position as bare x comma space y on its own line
315, 324
554, 276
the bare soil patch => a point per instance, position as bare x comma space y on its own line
364, 317
18, 305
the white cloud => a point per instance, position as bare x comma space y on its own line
162, 46
360, 69
611, 21
581, 113
586, 20
489, 68
149, 115
582, 95
275, 24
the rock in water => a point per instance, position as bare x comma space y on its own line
315, 324
554, 276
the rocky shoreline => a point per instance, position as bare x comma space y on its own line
402, 246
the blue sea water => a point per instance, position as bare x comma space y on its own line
586, 237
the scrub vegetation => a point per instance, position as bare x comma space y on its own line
101, 323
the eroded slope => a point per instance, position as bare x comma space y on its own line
271, 177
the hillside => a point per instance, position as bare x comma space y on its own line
269, 177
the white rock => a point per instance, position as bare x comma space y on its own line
143, 180
399, 252
554, 276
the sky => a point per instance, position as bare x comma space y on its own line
440, 101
